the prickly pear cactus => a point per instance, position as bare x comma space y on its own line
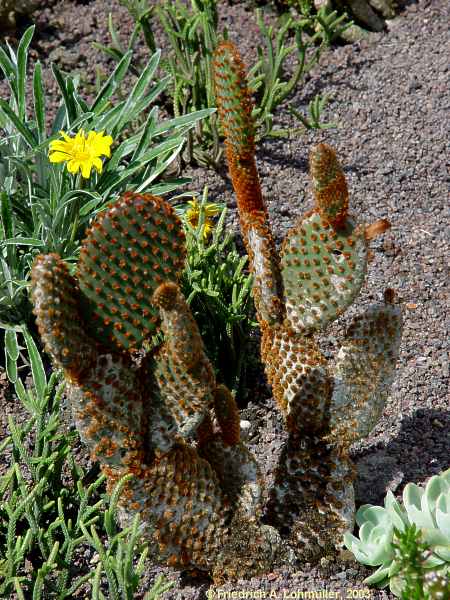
317, 276
165, 421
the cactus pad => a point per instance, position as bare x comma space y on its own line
235, 112
364, 371
238, 473
323, 270
299, 376
185, 513
330, 185
227, 414
55, 297
234, 101
182, 370
133, 247
312, 498
187, 395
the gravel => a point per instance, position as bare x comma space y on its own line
391, 99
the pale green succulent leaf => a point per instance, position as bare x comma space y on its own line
446, 476
434, 537
394, 569
372, 514
396, 585
374, 546
443, 514
358, 549
416, 506
434, 488
397, 514
350, 540
380, 577
380, 534
441, 555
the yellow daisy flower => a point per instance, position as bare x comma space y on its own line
193, 214
81, 153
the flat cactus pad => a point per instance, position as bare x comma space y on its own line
298, 373
133, 247
183, 509
323, 270
364, 371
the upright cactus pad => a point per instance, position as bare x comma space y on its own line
131, 249
323, 270
235, 111
364, 370
303, 394
234, 101
330, 186
184, 513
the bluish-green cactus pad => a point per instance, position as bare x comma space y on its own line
323, 270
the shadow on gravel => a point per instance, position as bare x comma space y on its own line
275, 157
420, 449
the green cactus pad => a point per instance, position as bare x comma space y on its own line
182, 370
239, 474
227, 415
364, 371
234, 100
187, 395
107, 410
55, 297
323, 270
132, 248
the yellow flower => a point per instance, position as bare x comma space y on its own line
81, 153
209, 210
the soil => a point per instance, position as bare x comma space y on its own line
391, 100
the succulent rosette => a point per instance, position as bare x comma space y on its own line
428, 508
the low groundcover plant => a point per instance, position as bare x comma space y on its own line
52, 512
192, 34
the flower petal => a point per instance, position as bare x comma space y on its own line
97, 163
60, 145
73, 165
86, 167
57, 157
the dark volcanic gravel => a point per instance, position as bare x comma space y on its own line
391, 99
